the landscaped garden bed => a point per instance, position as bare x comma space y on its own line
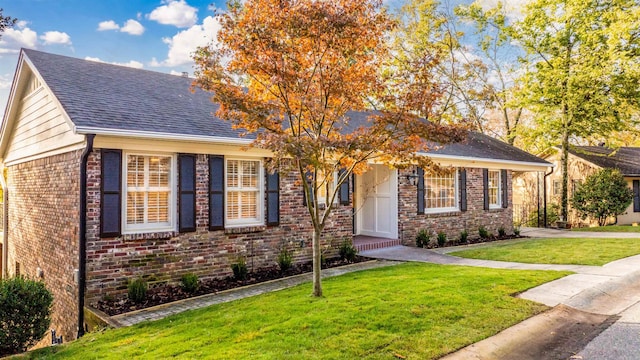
168, 293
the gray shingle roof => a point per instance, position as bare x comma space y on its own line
625, 159
104, 96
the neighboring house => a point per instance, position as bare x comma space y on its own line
115, 173
584, 161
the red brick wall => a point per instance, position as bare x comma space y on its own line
165, 257
43, 230
451, 223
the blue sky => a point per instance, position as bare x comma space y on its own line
155, 35
151, 34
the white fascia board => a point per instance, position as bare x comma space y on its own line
161, 136
514, 165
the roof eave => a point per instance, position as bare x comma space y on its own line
515, 165
162, 136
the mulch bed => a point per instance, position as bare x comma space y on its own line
168, 293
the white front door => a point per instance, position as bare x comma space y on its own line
377, 205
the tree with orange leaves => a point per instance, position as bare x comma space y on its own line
293, 71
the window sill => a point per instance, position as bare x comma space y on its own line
245, 229
442, 213
158, 235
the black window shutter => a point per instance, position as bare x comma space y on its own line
463, 189
307, 176
187, 192
273, 199
111, 193
420, 173
344, 189
636, 195
505, 189
485, 187
216, 192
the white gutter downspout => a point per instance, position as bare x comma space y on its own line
5, 225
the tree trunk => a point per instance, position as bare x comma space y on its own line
317, 266
564, 202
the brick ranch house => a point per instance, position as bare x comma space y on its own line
114, 173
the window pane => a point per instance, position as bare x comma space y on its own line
159, 171
232, 174
158, 207
233, 204
249, 205
494, 187
135, 171
440, 190
250, 174
135, 207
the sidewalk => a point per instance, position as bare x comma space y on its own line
162, 311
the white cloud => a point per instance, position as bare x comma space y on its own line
513, 8
184, 43
175, 12
132, 27
132, 64
108, 25
19, 36
55, 37
5, 81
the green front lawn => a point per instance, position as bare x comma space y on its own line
557, 251
419, 311
610, 228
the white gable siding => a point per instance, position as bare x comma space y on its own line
40, 128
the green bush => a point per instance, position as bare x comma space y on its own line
25, 314
501, 231
463, 236
422, 238
516, 230
553, 211
483, 232
442, 238
137, 290
347, 251
189, 283
285, 260
239, 269
602, 195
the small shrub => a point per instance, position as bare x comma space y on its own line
25, 314
463, 236
501, 231
516, 230
189, 283
137, 290
285, 260
483, 232
442, 238
240, 269
347, 251
422, 238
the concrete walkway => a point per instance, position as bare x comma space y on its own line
162, 311
557, 233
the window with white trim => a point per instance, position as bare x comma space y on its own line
322, 191
495, 191
441, 192
244, 192
149, 196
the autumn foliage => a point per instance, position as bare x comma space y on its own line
316, 82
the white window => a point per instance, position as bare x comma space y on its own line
244, 192
442, 192
322, 191
149, 196
557, 187
495, 191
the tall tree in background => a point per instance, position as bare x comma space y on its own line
582, 70
476, 78
6, 22
290, 70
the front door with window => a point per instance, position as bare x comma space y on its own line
377, 202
